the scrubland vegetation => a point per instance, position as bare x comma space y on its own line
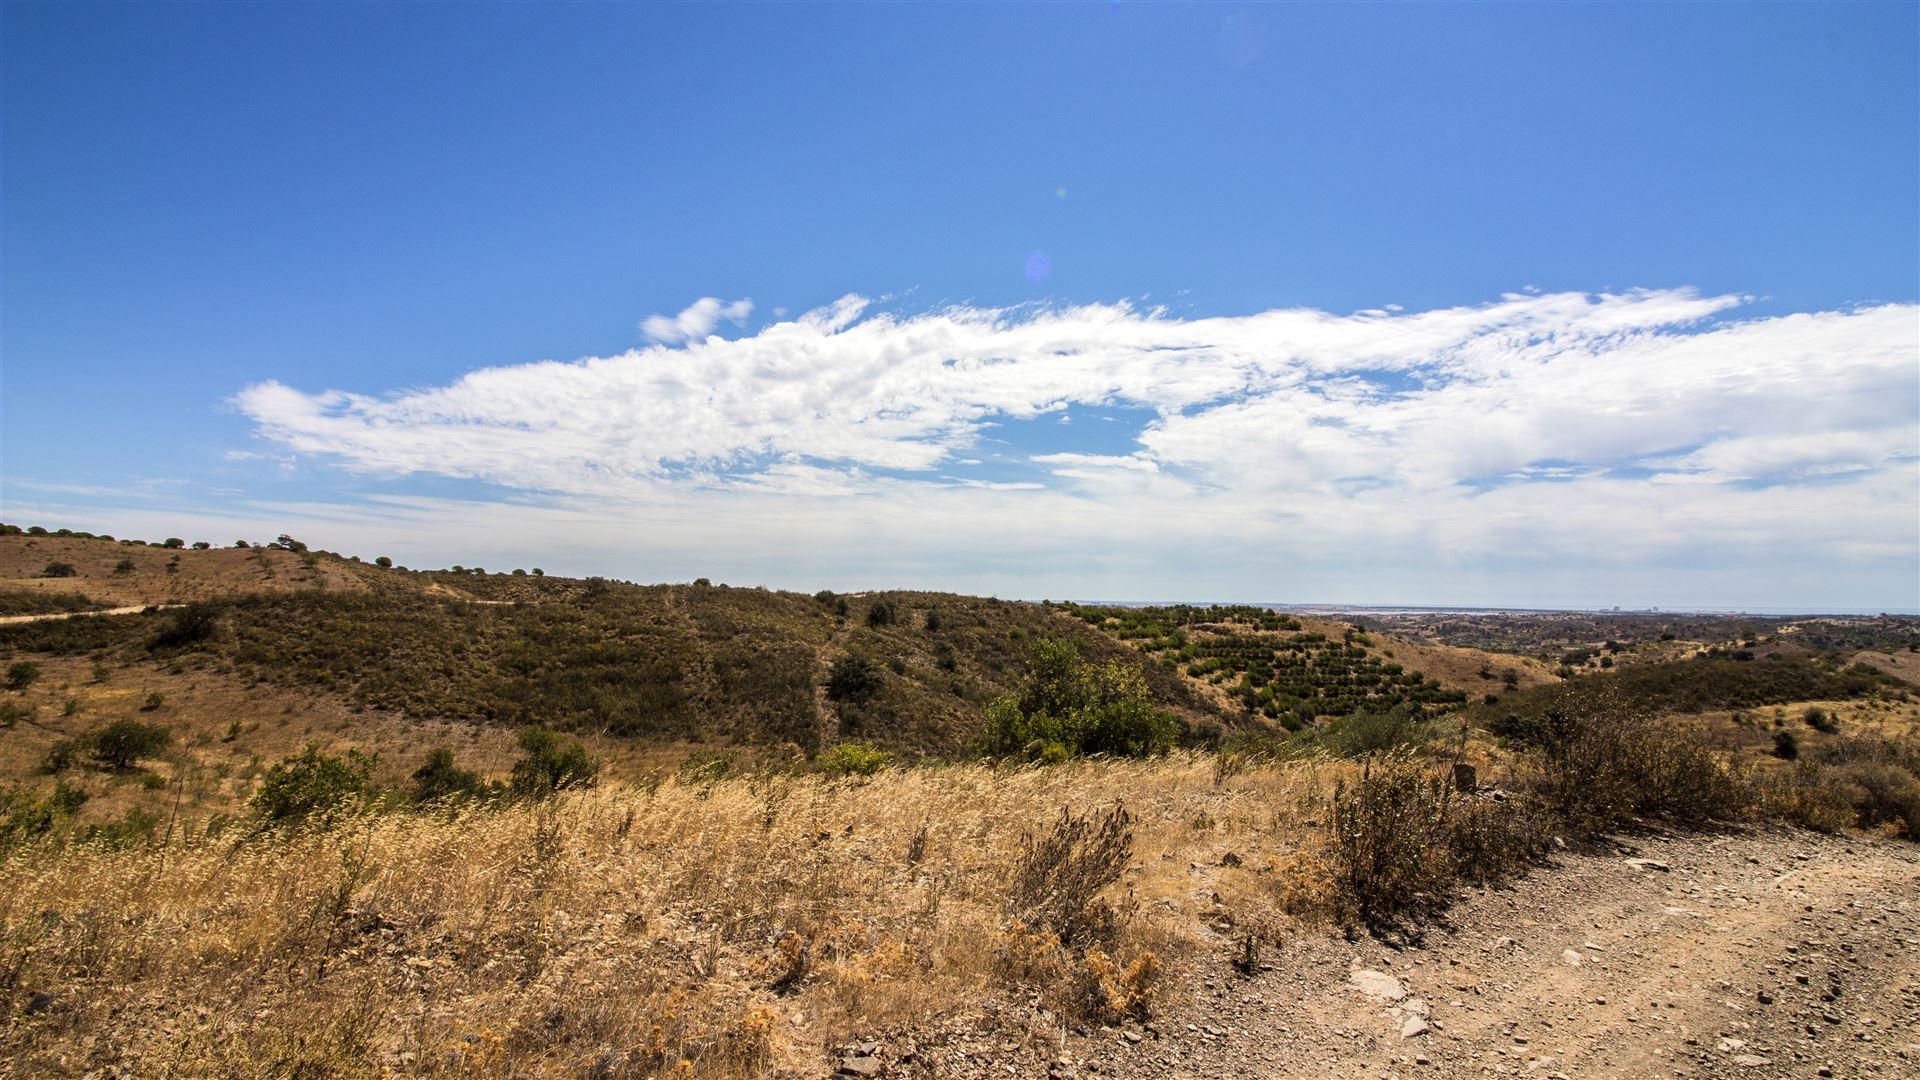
878, 810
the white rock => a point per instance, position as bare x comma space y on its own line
1377, 985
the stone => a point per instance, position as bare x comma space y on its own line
1752, 1061
1465, 777
860, 1065
1572, 958
1377, 985
1649, 864
1414, 1027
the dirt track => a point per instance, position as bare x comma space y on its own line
1758, 953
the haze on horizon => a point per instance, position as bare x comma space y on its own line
1364, 305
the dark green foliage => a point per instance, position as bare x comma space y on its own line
1819, 720
59, 569
1786, 745
173, 542
933, 620
311, 785
124, 566
23, 817
1068, 706
881, 613
1686, 686
439, 778
385, 563
123, 743
22, 674
1292, 678
551, 763
189, 626
853, 678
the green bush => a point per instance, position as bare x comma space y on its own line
121, 744
1819, 720
311, 785
59, 570
1068, 706
439, 778
853, 759
22, 674
551, 763
189, 626
853, 678
881, 613
23, 817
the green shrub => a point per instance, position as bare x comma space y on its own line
551, 763
59, 570
121, 744
191, 625
439, 778
23, 817
853, 678
22, 674
1785, 745
311, 785
1819, 720
880, 613
1073, 707
853, 759
173, 542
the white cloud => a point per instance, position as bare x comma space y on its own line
696, 321
1599, 432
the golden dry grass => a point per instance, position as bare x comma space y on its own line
632, 930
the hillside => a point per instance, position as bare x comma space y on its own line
781, 850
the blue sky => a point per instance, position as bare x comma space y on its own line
1644, 279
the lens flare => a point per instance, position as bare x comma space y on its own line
1060, 192
1039, 268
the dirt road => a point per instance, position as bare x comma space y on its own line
134, 609
1759, 953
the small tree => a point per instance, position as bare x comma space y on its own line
383, 563
552, 763
59, 569
201, 545
933, 620
121, 744
440, 778
124, 566
311, 783
22, 674
537, 572
173, 542
880, 613
853, 678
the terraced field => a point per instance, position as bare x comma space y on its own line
1270, 664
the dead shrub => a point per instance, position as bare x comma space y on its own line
1108, 991
1386, 841
1058, 879
1614, 763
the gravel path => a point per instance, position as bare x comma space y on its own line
1755, 953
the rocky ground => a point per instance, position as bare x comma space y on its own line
1753, 953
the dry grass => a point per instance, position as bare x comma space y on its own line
719, 929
